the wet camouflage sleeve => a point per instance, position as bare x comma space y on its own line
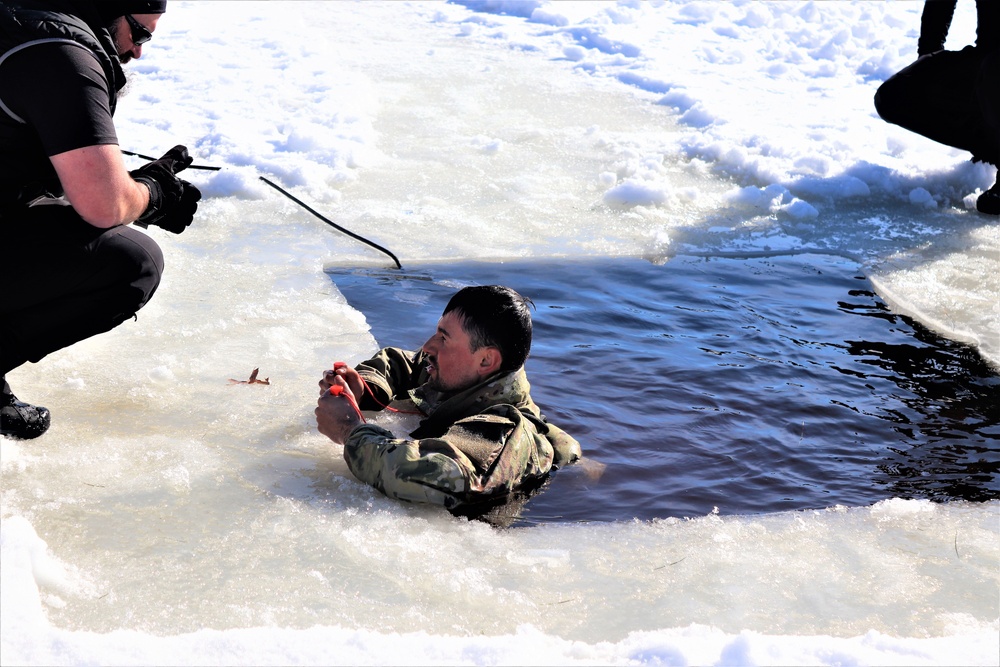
390, 374
566, 448
419, 471
489, 454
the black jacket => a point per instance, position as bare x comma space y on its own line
24, 167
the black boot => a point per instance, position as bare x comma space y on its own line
989, 201
19, 419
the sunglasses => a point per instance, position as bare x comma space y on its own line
140, 34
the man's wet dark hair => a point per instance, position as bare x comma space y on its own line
495, 316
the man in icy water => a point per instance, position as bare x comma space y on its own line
952, 97
71, 266
481, 437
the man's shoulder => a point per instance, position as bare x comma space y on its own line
55, 53
32, 21
42, 27
499, 418
46, 54
70, 70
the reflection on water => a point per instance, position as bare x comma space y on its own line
747, 385
948, 419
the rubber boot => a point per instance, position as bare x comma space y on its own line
19, 419
989, 201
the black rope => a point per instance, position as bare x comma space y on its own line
297, 201
192, 166
331, 222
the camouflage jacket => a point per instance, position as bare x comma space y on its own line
486, 441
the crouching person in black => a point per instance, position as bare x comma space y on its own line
952, 97
71, 265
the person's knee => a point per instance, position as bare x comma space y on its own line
151, 265
141, 262
150, 269
887, 101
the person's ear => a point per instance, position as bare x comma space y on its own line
490, 361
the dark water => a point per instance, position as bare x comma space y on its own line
747, 385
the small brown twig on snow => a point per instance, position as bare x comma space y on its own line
253, 379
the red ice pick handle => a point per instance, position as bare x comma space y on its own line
338, 390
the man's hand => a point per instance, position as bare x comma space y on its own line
175, 160
172, 201
336, 416
349, 375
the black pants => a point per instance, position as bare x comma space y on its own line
952, 97
63, 280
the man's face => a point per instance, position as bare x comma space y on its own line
121, 31
452, 365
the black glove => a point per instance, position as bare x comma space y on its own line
172, 201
